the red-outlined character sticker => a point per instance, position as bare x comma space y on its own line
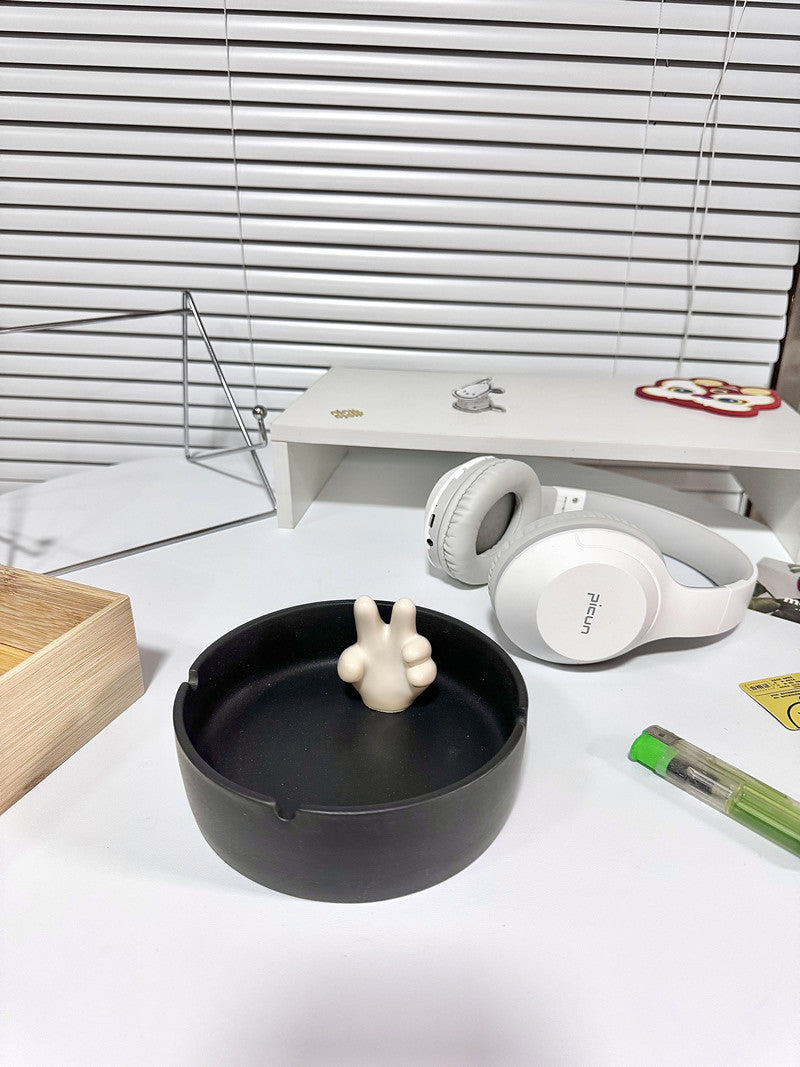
712, 395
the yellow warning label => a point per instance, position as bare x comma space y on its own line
780, 696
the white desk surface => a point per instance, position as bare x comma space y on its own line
615, 920
94, 514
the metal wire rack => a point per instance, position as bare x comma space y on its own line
188, 310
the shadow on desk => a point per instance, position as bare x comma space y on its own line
425, 1003
18, 550
151, 659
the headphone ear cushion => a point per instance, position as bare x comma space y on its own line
470, 507
553, 524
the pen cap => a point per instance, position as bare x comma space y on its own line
652, 752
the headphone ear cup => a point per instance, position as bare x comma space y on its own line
481, 514
551, 524
571, 590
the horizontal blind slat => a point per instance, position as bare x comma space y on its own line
633, 74
561, 229
309, 343
638, 13
212, 213
99, 378
186, 173
202, 96
474, 119
660, 260
276, 315
690, 45
54, 302
417, 141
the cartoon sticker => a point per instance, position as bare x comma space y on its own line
712, 395
477, 396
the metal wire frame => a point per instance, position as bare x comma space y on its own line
187, 309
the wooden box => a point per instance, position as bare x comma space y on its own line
69, 664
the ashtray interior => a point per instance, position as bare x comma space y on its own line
270, 715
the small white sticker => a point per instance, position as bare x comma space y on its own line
569, 499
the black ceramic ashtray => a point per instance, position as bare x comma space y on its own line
299, 786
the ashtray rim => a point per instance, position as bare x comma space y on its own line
229, 786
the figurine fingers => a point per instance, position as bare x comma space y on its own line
416, 650
352, 665
404, 620
422, 674
368, 620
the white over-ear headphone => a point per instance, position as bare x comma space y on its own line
584, 585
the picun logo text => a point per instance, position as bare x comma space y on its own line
591, 611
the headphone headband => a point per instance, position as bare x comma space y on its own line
681, 538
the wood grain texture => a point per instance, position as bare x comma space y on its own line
11, 656
83, 670
35, 609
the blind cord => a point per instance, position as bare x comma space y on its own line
637, 201
257, 410
697, 236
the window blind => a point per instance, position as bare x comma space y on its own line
479, 185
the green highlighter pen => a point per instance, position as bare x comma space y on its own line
734, 793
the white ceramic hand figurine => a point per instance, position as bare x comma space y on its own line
390, 664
